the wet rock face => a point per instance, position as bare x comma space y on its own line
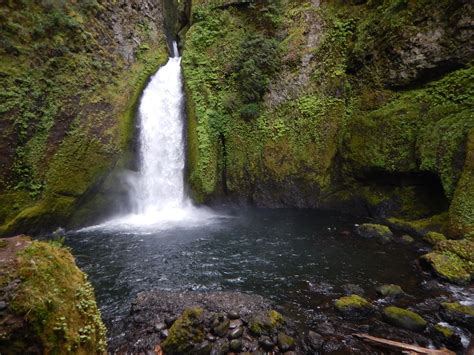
122, 17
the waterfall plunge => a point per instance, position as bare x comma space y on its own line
157, 192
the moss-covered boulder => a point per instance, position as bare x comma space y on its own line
404, 318
50, 305
266, 324
185, 333
433, 238
458, 313
390, 290
381, 233
353, 306
452, 260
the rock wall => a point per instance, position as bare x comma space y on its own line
363, 106
71, 75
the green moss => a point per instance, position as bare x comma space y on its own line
390, 290
404, 318
450, 266
462, 248
457, 308
444, 331
185, 332
57, 301
433, 238
352, 303
266, 324
422, 226
370, 230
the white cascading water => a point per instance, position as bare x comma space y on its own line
157, 193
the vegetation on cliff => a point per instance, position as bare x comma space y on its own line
71, 75
347, 102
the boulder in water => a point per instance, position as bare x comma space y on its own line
382, 233
404, 318
353, 305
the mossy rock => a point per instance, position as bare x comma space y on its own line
382, 233
390, 290
55, 302
185, 333
404, 318
406, 239
266, 324
459, 314
434, 238
445, 332
285, 342
420, 227
462, 248
353, 305
449, 266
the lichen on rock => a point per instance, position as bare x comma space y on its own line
51, 305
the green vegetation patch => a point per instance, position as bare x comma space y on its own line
57, 301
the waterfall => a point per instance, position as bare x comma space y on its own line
157, 192
160, 185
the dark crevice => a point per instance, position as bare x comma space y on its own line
177, 19
224, 164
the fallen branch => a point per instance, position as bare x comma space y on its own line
406, 348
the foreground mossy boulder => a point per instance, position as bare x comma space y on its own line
452, 260
404, 318
50, 305
185, 333
353, 305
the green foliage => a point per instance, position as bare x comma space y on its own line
57, 301
258, 60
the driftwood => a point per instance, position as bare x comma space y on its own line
404, 348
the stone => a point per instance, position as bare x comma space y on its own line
3, 305
221, 329
164, 333
285, 342
353, 289
220, 347
235, 345
160, 326
235, 323
236, 333
314, 340
458, 313
233, 315
390, 290
380, 232
204, 348
449, 266
404, 318
406, 239
266, 343
433, 238
353, 305
169, 321
211, 337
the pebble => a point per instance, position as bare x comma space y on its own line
315, 340
160, 326
165, 333
235, 323
233, 315
211, 337
236, 333
169, 321
221, 329
236, 345
3, 305
266, 343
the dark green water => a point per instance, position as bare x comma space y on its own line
298, 258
